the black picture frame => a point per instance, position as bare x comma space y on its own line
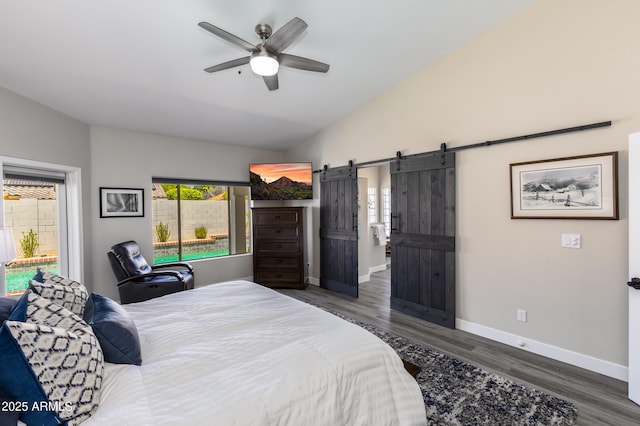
121, 202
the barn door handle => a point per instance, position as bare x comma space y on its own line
394, 217
354, 227
635, 283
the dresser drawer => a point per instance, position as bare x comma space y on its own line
276, 217
278, 262
271, 246
276, 276
276, 232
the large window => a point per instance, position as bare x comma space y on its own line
199, 220
40, 203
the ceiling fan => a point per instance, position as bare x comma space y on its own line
266, 57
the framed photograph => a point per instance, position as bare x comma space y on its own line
121, 202
581, 187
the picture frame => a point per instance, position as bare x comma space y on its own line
121, 202
579, 187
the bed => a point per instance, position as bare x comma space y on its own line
237, 353
232, 353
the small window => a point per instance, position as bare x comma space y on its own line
386, 210
372, 205
199, 220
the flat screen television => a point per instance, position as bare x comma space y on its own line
281, 181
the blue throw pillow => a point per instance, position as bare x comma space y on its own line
38, 276
89, 310
10, 412
52, 362
19, 311
116, 331
6, 306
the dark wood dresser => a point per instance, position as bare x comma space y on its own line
278, 247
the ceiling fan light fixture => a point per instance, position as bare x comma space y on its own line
264, 63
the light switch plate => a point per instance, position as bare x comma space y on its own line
522, 315
571, 241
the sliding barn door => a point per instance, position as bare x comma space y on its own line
423, 237
339, 230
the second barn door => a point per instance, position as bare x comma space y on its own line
423, 237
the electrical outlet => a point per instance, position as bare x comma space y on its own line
522, 315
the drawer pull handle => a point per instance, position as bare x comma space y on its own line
278, 231
278, 245
277, 216
278, 260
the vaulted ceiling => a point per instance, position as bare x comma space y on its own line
139, 65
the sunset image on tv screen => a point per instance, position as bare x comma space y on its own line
281, 181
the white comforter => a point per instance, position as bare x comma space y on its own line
237, 353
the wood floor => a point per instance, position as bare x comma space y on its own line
600, 400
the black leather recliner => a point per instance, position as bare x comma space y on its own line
138, 281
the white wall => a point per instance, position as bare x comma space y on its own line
32, 131
128, 159
557, 64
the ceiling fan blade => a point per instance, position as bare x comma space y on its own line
286, 35
293, 61
228, 64
271, 81
235, 40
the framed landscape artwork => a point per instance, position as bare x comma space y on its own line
121, 202
581, 187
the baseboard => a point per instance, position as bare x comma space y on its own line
313, 280
587, 362
372, 269
378, 268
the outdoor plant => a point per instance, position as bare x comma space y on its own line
186, 193
29, 243
201, 232
162, 231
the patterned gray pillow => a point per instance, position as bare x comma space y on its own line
51, 278
65, 292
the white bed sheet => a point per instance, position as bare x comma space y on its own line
237, 353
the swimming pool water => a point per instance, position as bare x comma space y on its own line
191, 256
19, 281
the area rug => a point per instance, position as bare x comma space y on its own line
458, 393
